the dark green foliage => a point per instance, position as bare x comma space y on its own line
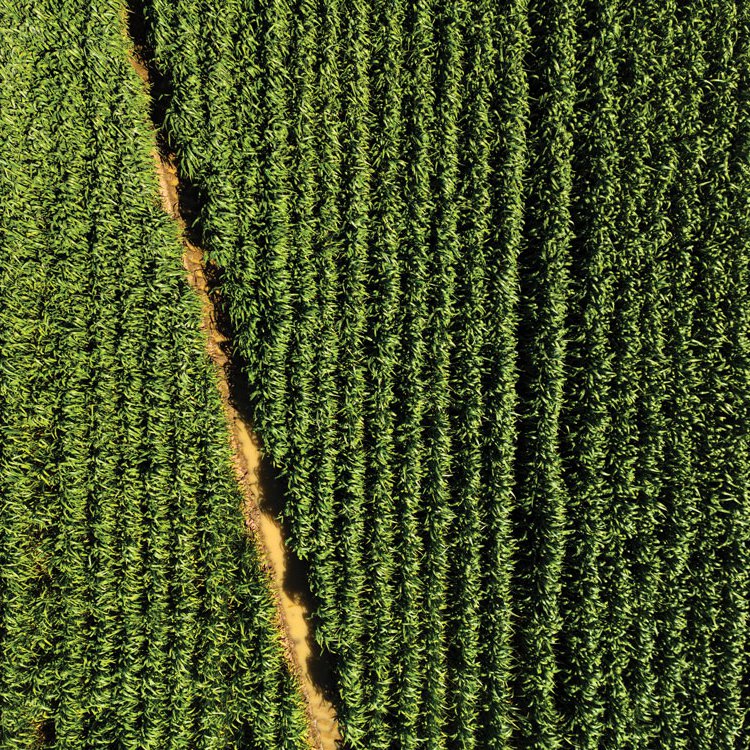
544, 276
383, 274
640, 306
594, 406
133, 609
508, 121
419, 646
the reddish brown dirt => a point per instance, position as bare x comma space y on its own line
293, 616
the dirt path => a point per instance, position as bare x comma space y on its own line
293, 615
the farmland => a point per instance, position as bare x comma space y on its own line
474, 275
486, 268
134, 612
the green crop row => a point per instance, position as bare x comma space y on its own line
486, 269
133, 609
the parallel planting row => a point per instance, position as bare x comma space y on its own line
486, 265
133, 610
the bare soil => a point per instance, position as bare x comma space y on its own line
293, 612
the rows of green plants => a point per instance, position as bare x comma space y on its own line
134, 612
486, 269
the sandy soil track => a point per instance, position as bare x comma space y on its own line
292, 610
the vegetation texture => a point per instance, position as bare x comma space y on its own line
133, 609
486, 264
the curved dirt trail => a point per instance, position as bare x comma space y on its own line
293, 614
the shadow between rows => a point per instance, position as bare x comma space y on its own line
273, 497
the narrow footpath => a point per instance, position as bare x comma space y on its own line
294, 618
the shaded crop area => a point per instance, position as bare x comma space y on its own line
134, 612
486, 264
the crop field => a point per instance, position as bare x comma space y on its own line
482, 270
133, 610
486, 268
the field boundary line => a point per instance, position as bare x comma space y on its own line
266, 532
